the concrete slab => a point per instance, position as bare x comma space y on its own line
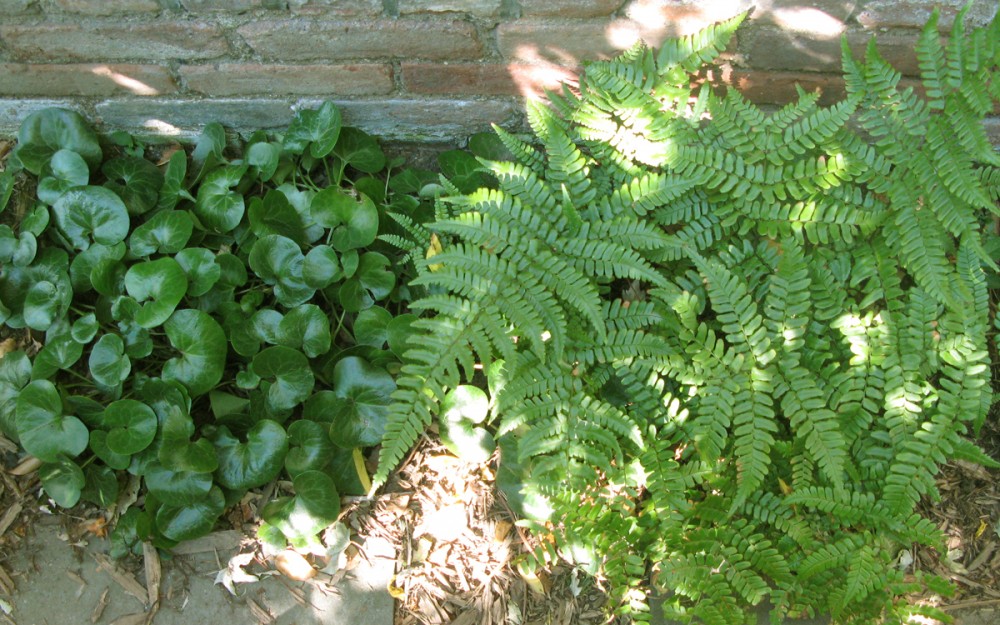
60, 584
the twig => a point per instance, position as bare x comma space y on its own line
978, 603
10, 516
125, 580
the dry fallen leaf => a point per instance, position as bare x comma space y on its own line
293, 566
98, 527
234, 573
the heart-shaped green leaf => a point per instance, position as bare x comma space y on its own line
278, 261
264, 157
208, 149
316, 129
177, 488
15, 373
173, 188
136, 181
193, 520
85, 328
225, 405
202, 344
162, 282
166, 232
255, 462
63, 481
18, 250
487, 145
315, 506
99, 445
44, 304
108, 363
101, 486
319, 407
45, 432
463, 170
133, 426
91, 214
6, 188
465, 403
373, 281
65, 170
218, 207
61, 351
36, 220
274, 214
83, 271
266, 322
45, 132
362, 403
133, 528
305, 327
371, 327
321, 267
309, 448
200, 268
287, 372
471, 444
398, 332
360, 150
354, 221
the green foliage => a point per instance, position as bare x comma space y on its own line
188, 313
737, 346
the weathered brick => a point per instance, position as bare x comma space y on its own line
774, 49
687, 16
224, 5
106, 7
336, 8
428, 120
85, 79
302, 39
484, 78
778, 88
915, 13
161, 40
229, 79
18, 7
569, 8
480, 8
187, 117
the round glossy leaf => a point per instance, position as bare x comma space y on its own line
202, 344
133, 426
177, 488
266, 322
45, 132
173, 188
255, 462
463, 170
371, 326
274, 214
66, 170
15, 373
138, 342
63, 481
316, 129
201, 269
354, 221
44, 305
219, 208
399, 331
108, 363
309, 448
60, 352
372, 281
320, 407
487, 145
469, 443
227, 405
161, 284
136, 181
360, 150
465, 403
133, 528
315, 506
264, 156
193, 520
347, 467
99, 445
111, 274
233, 271
36, 220
208, 150
288, 373
321, 267
363, 396
108, 278
278, 261
307, 328
45, 432
85, 329
189, 456
101, 487
24, 250
86, 214
166, 232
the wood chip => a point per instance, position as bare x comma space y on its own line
28, 465
123, 579
228, 540
136, 618
10, 516
6, 583
294, 566
262, 615
101, 605
151, 561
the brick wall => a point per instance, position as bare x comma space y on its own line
422, 70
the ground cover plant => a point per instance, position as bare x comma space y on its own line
730, 349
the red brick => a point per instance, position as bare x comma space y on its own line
336, 8
778, 88
484, 79
915, 13
162, 40
302, 39
229, 79
479, 8
770, 48
693, 15
569, 8
107, 7
20, 79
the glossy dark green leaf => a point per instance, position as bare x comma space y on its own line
463, 170
208, 149
109, 366
173, 189
354, 221
487, 145
264, 157
101, 486
320, 407
166, 232
398, 333
266, 322
133, 426
177, 488
316, 129
45, 132
315, 505
465, 403
411, 180
193, 520
45, 432
371, 326
305, 327
202, 345
200, 268
309, 448
63, 481
360, 150
233, 271
288, 375
91, 214
35, 220
133, 528
45, 304
189, 456
227, 405
111, 274
135, 180
345, 465
218, 206
321, 267
65, 170
274, 214
138, 341
6, 188
61, 351
372, 282
99, 445
255, 462
15, 373
85, 328
278, 261
25, 249
471, 444
363, 396
159, 285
